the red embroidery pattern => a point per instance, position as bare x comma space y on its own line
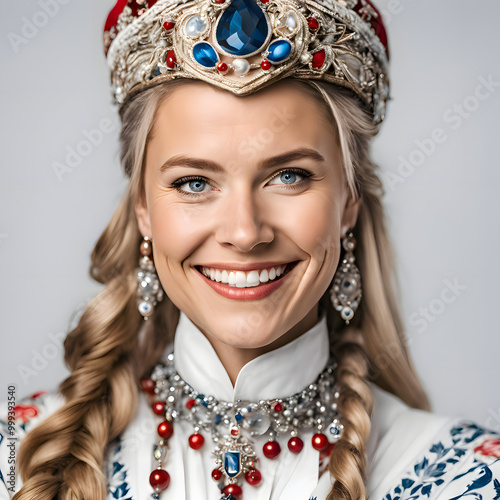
25, 412
489, 447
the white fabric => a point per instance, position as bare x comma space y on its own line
399, 436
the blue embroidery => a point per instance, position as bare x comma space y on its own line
439, 460
117, 475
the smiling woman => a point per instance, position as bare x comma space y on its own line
250, 291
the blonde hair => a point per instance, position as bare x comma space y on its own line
108, 351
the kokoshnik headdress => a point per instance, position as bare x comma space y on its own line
244, 45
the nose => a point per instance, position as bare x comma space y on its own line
242, 222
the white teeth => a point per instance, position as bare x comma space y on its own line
252, 278
272, 273
243, 279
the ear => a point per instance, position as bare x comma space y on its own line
143, 218
350, 214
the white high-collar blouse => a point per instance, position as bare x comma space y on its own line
401, 449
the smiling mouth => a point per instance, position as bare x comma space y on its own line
246, 279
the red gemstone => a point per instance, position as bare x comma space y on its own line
148, 385
158, 408
295, 444
165, 430
168, 25
318, 59
196, 441
265, 65
253, 477
320, 442
160, 479
278, 407
216, 474
222, 67
170, 59
271, 449
313, 23
264, 1
234, 490
220, 1
235, 431
190, 403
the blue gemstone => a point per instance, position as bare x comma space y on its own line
279, 50
205, 55
242, 29
238, 417
218, 418
232, 463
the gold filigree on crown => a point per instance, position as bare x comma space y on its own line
244, 45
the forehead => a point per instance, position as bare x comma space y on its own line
199, 117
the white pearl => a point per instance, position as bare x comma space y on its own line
241, 67
291, 20
195, 25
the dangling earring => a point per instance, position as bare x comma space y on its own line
149, 291
345, 293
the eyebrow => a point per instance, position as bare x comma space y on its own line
268, 163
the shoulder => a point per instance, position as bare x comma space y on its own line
17, 418
415, 453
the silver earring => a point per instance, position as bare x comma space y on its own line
345, 293
149, 291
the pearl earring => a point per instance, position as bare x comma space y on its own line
149, 291
345, 293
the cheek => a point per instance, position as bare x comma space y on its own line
176, 228
315, 225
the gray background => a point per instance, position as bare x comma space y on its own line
443, 202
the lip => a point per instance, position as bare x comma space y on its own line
255, 266
252, 293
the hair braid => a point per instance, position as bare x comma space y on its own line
348, 459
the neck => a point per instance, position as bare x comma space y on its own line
234, 359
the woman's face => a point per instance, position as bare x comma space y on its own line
242, 188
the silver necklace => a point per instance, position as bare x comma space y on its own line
232, 425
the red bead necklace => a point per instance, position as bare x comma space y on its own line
227, 422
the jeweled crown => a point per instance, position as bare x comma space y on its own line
245, 45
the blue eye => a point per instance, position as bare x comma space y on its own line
290, 177
195, 184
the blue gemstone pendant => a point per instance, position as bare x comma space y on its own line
243, 28
232, 463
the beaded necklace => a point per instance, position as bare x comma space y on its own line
231, 425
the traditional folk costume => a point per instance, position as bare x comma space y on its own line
195, 436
